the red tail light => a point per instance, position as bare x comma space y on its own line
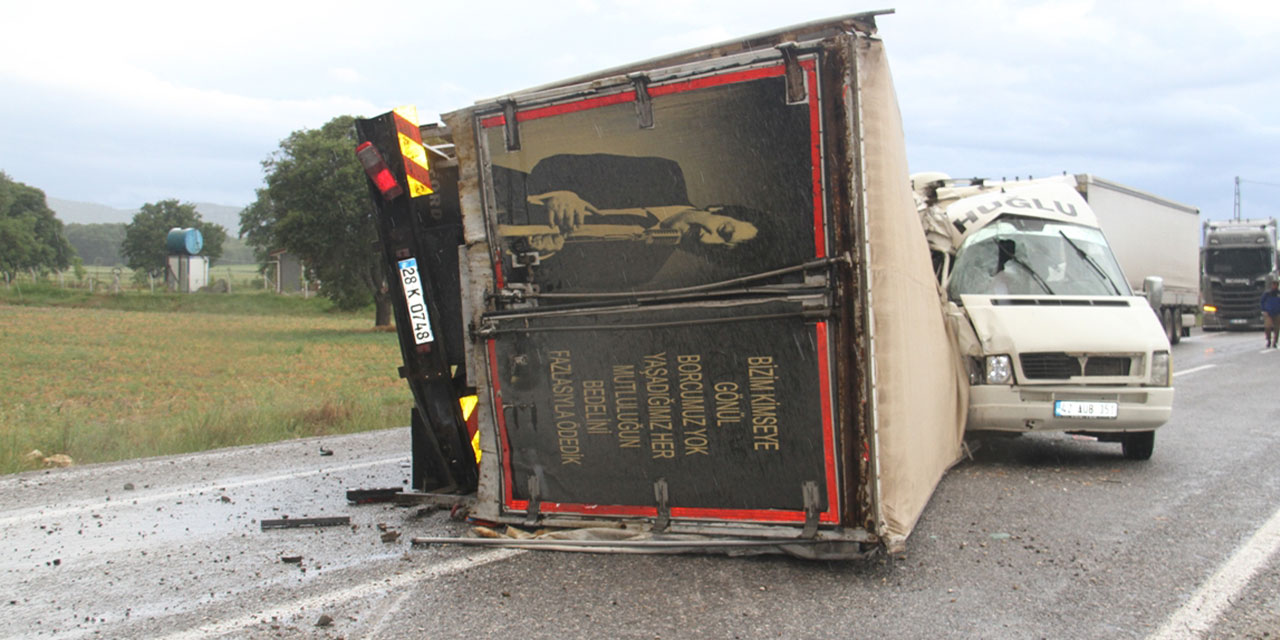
378, 171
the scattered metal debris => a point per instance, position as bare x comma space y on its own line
294, 523
370, 496
425, 511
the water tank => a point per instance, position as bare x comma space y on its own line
187, 242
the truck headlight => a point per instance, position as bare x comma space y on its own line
999, 370
1160, 370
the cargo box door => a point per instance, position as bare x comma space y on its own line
659, 343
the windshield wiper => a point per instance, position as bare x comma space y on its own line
1089, 261
1040, 281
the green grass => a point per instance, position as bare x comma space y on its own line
112, 377
251, 302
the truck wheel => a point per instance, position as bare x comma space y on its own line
1175, 321
1166, 322
1138, 445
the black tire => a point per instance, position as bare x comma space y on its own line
1166, 321
1138, 445
1175, 321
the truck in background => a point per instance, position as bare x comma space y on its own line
1050, 332
689, 296
1165, 271
1237, 260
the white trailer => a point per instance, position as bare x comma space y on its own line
1151, 237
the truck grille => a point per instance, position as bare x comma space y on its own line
1060, 366
1236, 300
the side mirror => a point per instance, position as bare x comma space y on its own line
1153, 286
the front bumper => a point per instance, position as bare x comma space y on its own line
1023, 409
1232, 321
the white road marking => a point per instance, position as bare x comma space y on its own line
1193, 369
316, 604
42, 513
387, 613
1197, 616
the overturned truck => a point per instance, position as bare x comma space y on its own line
690, 296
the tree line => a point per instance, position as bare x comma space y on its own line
314, 204
98, 244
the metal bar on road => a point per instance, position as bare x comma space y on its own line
294, 523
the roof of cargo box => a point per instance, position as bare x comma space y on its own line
864, 23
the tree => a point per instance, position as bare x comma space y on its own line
31, 235
143, 247
97, 243
316, 206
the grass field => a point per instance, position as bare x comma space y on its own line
112, 377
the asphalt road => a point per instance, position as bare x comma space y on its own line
1034, 537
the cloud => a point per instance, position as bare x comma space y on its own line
346, 75
110, 101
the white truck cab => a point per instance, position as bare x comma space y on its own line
1051, 334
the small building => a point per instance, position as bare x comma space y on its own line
288, 271
186, 274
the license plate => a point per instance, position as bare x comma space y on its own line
1076, 409
1239, 321
416, 301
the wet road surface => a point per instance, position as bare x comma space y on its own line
1048, 536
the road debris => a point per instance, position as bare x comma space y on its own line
58, 460
370, 496
294, 523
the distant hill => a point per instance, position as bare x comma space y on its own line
73, 212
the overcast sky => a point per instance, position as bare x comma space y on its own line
124, 103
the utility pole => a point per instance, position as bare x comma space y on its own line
1237, 198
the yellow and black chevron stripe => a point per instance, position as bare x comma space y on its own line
416, 169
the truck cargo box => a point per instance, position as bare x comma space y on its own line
697, 300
